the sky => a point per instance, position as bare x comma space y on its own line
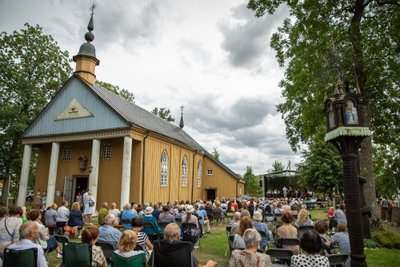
210, 56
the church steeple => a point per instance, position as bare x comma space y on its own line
86, 60
181, 124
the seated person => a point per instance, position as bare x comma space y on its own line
114, 211
75, 217
287, 230
341, 238
238, 242
249, 256
327, 246
303, 219
9, 227
170, 244
48, 243
142, 239
311, 245
165, 216
148, 217
126, 216
102, 213
29, 232
109, 234
126, 244
261, 227
90, 235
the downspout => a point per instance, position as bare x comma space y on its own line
195, 152
143, 159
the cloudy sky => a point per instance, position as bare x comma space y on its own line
212, 57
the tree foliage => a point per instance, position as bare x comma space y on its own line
277, 166
32, 69
252, 186
127, 95
216, 154
357, 40
163, 113
321, 169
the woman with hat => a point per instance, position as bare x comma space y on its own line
189, 217
148, 217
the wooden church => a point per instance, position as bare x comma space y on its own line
90, 138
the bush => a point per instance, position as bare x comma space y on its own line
369, 243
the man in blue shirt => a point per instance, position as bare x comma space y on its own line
202, 215
28, 233
108, 233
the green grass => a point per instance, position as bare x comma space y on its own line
383, 257
214, 246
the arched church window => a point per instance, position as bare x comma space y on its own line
164, 168
184, 171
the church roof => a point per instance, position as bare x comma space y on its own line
139, 117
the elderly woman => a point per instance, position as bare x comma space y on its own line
249, 256
48, 243
90, 235
322, 228
126, 244
261, 227
126, 216
238, 242
114, 211
142, 239
311, 245
50, 218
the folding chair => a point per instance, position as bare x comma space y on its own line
137, 260
231, 238
20, 258
228, 231
178, 254
279, 255
107, 249
150, 229
287, 242
162, 226
338, 259
77, 254
303, 229
190, 232
62, 239
269, 218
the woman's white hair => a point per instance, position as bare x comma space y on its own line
251, 237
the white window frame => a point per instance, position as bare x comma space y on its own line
105, 152
184, 171
199, 169
67, 153
164, 169
210, 172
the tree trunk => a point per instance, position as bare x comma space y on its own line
7, 176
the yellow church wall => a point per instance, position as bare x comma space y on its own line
42, 168
224, 183
136, 172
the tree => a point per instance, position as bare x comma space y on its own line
251, 186
215, 154
321, 169
163, 113
127, 95
357, 40
277, 166
32, 69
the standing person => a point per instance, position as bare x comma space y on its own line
89, 208
62, 215
29, 232
79, 199
90, 235
50, 217
331, 217
204, 221
311, 245
103, 213
284, 190
85, 200
9, 227
37, 201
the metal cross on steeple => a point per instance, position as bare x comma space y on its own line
92, 8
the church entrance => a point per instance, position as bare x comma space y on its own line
74, 186
210, 194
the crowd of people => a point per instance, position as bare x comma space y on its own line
125, 229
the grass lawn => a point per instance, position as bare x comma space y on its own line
215, 246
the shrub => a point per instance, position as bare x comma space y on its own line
387, 240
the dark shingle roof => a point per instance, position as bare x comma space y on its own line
142, 118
